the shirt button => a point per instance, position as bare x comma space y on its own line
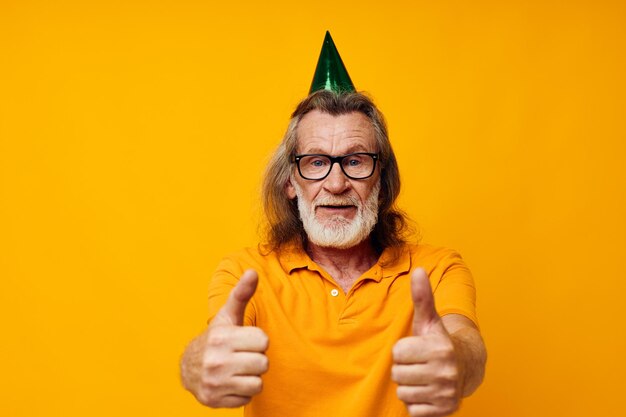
334, 292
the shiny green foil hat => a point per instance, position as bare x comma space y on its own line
330, 73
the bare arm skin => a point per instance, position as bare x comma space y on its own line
222, 367
469, 349
443, 361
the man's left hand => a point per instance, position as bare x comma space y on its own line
425, 365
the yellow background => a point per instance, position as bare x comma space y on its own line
133, 135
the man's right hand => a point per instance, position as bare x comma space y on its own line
223, 366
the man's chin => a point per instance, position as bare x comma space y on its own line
337, 244
334, 222
335, 233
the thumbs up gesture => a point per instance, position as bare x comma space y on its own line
425, 365
223, 366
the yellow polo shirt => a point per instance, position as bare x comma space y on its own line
330, 352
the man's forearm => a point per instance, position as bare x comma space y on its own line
191, 363
471, 357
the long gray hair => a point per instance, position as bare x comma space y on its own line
283, 221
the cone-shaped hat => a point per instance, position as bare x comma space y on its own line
330, 73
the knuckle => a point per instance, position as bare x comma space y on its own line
256, 386
400, 393
259, 385
395, 373
263, 339
443, 352
217, 338
265, 364
447, 394
394, 348
397, 352
213, 363
210, 383
449, 376
406, 394
259, 336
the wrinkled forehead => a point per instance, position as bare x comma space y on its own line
320, 132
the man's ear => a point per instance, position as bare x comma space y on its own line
290, 190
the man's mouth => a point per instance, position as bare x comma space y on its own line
340, 206
335, 208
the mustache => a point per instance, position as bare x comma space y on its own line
331, 200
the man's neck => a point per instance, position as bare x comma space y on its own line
345, 266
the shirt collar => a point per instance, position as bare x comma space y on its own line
292, 256
392, 262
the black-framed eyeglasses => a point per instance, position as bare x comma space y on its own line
357, 166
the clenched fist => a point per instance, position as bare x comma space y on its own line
425, 364
223, 366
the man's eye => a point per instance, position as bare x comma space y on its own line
354, 162
318, 162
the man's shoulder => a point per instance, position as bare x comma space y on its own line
264, 252
423, 254
428, 250
259, 257
437, 261
415, 254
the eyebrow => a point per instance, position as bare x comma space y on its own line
351, 149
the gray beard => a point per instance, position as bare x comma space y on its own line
338, 232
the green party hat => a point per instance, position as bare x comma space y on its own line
330, 73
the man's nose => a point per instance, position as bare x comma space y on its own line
336, 182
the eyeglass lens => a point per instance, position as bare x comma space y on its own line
318, 166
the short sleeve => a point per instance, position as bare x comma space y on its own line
225, 278
454, 290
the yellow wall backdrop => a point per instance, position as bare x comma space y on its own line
133, 135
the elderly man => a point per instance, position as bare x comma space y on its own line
336, 314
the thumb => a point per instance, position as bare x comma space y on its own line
232, 313
425, 317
